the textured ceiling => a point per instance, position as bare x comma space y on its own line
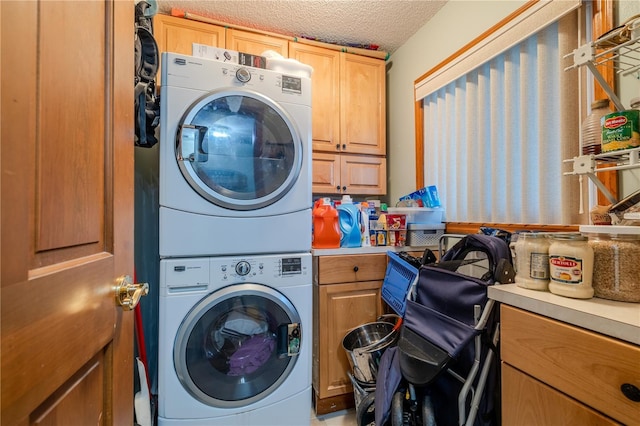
386, 23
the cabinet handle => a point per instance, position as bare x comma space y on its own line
338, 146
630, 391
355, 268
344, 188
344, 146
338, 188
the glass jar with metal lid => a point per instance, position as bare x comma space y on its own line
571, 266
616, 267
532, 261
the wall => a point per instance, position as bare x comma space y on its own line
147, 260
456, 24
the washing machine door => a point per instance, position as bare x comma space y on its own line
239, 149
237, 345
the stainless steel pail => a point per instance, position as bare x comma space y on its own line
364, 347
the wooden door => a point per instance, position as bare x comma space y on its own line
530, 402
326, 173
255, 44
342, 307
177, 35
363, 104
325, 87
363, 174
67, 212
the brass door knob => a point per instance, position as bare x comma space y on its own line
128, 294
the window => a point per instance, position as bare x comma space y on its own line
495, 130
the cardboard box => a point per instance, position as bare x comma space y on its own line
397, 238
396, 221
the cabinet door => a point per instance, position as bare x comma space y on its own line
527, 401
178, 35
255, 44
572, 360
363, 174
363, 105
341, 307
325, 84
326, 173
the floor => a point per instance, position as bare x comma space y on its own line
339, 418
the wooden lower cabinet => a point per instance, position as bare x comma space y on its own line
346, 295
527, 401
556, 373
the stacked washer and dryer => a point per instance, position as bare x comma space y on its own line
235, 239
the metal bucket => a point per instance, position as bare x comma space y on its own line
365, 345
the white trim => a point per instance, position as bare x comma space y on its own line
532, 20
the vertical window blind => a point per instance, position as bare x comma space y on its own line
495, 137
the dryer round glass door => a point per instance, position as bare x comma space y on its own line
237, 345
239, 149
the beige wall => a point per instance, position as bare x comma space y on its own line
457, 23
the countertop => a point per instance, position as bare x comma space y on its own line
616, 319
367, 250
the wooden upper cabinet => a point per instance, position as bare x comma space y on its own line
363, 174
325, 84
363, 104
349, 174
255, 44
177, 35
349, 104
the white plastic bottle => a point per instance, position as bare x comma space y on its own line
364, 217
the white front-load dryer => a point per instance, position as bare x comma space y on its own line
235, 159
235, 340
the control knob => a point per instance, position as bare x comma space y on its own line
243, 75
243, 268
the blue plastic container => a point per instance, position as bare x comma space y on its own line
398, 282
349, 218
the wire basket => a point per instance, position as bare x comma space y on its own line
399, 278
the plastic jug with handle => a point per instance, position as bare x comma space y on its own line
326, 229
349, 215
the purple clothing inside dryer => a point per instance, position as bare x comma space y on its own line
253, 353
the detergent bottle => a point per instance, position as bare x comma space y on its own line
326, 229
349, 216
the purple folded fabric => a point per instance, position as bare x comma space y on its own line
253, 353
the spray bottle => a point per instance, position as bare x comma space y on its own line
364, 217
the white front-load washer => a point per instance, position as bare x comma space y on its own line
235, 159
235, 340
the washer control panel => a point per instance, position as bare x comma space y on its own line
267, 269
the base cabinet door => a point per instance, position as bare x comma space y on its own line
551, 368
530, 402
346, 296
